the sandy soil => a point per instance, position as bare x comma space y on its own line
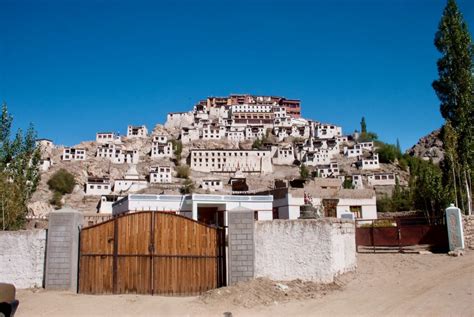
384, 285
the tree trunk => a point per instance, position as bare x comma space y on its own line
468, 195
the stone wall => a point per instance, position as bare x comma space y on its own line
468, 224
22, 255
312, 250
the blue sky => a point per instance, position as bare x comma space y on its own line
77, 67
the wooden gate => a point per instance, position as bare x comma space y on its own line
151, 253
398, 234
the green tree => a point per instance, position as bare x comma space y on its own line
257, 144
363, 126
183, 171
188, 186
347, 184
304, 172
388, 153
177, 150
62, 182
454, 88
19, 171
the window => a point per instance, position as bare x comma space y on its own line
357, 211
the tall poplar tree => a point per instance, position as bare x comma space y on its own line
454, 88
19, 172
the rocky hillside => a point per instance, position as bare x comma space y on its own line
429, 147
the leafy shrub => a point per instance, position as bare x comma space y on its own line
56, 200
388, 153
183, 171
188, 187
62, 182
304, 172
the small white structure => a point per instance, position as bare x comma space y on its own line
357, 181
210, 209
362, 203
212, 185
105, 203
284, 155
381, 179
229, 161
44, 143
161, 174
137, 131
132, 182
117, 154
45, 164
106, 137
73, 154
161, 147
370, 163
97, 186
327, 131
330, 170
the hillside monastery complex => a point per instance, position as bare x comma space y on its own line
284, 140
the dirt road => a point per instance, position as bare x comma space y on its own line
384, 285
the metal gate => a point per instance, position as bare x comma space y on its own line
399, 234
151, 253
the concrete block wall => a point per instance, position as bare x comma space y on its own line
63, 249
22, 255
241, 245
310, 249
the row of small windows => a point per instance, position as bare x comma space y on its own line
226, 153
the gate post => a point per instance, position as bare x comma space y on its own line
62, 253
241, 245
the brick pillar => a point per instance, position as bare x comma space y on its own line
241, 245
62, 251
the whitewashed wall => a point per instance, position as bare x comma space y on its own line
310, 250
22, 256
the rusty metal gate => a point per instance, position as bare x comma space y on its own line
400, 234
151, 253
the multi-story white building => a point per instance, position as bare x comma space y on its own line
212, 132
73, 154
97, 186
161, 174
235, 133
254, 132
284, 155
190, 134
370, 163
316, 157
117, 154
161, 147
107, 137
229, 161
137, 131
44, 143
327, 131
329, 170
381, 179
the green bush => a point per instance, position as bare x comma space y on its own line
304, 172
183, 171
388, 153
56, 200
188, 187
62, 182
178, 149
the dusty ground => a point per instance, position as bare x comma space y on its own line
384, 285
